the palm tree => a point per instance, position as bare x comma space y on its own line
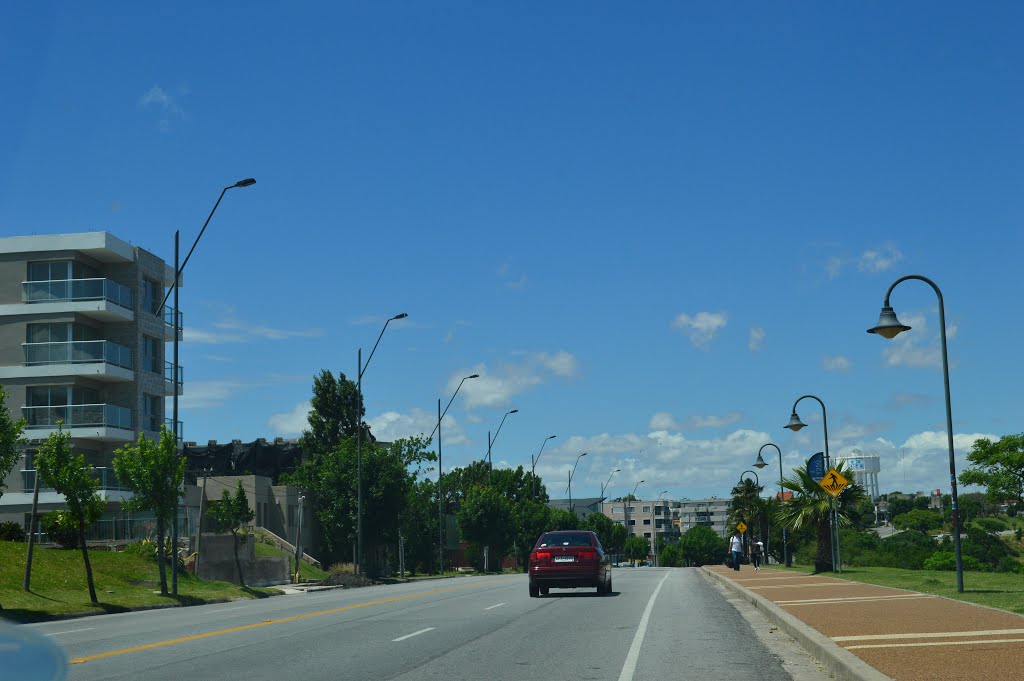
747, 505
810, 506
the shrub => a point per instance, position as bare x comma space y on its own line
985, 547
11, 531
147, 549
908, 550
991, 524
946, 560
60, 527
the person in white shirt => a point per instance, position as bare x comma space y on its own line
736, 549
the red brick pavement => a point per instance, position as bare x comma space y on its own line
906, 635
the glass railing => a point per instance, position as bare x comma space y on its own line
78, 352
169, 373
58, 290
78, 416
170, 426
105, 476
172, 320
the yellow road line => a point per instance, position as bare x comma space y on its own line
932, 634
938, 643
267, 623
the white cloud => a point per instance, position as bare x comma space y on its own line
702, 327
756, 338
290, 422
497, 388
834, 267
166, 106
664, 421
837, 363
917, 347
393, 425
206, 394
880, 259
233, 330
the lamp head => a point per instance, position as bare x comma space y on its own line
549, 437
474, 376
760, 461
399, 316
888, 325
514, 411
247, 182
795, 423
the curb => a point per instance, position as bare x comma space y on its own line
841, 663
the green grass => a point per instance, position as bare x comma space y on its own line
122, 581
1003, 590
308, 572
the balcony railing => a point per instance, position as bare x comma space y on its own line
104, 476
58, 290
79, 416
78, 352
169, 374
173, 320
153, 424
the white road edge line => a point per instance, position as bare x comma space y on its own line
415, 633
629, 668
495, 606
71, 631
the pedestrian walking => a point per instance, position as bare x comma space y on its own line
757, 552
736, 549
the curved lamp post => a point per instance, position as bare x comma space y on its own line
533, 464
178, 269
490, 442
440, 496
654, 528
361, 369
571, 473
889, 327
760, 463
796, 424
605, 485
625, 509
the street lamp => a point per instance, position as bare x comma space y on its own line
359, 441
889, 327
490, 443
795, 424
533, 464
440, 497
571, 473
298, 537
605, 485
625, 507
178, 269
654, 529
760, 463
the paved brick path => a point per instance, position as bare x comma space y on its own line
906, 635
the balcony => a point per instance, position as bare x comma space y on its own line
104, 299
152, 425
99, 359
103, 475
107, 422
173, 321
169, 378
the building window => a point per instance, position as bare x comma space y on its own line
647, 509
632, 522
616, 510
152, 296
647, 535
59, 270
647, 521
151, 354
632, 509
152, 406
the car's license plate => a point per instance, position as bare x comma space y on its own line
565, 559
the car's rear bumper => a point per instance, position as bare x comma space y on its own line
562, 577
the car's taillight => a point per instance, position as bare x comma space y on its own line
587, 556
543, 557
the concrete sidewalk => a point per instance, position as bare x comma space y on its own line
862, 631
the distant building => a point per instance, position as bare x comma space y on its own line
865, 469
581, 507
667, 517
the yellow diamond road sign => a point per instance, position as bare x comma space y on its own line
742, 527
833, 482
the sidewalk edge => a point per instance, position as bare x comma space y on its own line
841, 663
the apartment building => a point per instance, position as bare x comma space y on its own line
667, 517
82, 343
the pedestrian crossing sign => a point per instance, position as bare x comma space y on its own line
833, 482
742, 527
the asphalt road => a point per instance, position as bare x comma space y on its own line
658, 624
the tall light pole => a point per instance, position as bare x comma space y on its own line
654, 529
605, 485
795, 424
440, 496
571, 473
533, 464
760, 463
889, 327
757, 487
625, 507
490, 442
178, 269
361, 369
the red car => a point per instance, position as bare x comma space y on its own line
568, 559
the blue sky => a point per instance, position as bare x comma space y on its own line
648, 229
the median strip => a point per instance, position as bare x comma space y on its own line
267, 623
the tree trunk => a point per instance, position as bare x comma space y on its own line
160, 557
238, 563
823, 561
88, 567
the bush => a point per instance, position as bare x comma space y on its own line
60, 527
946, 560
991, 524
11, 531
985, 547
908, 550
147, 549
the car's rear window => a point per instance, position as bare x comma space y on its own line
565, 539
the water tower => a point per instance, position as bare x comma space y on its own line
865, 469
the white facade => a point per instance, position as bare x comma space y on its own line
865, 469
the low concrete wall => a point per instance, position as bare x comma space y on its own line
217, 561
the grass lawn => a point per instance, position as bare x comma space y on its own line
995, 589
308, 572
122, 581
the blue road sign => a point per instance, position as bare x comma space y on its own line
816, 466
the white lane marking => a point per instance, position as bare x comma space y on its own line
415, 633
853, 599
494, 606
629, 668
71, 631
933, 634
210, 612
939, 643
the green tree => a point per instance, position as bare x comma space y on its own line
747, 507
10, 439
561, 519
419, 526
636, 548
335, 413
154, 472
997, 466
672, 555
484, 519
611, 534
702, 546
231, 514
59, 468
811, 506
922, 521
530, 519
